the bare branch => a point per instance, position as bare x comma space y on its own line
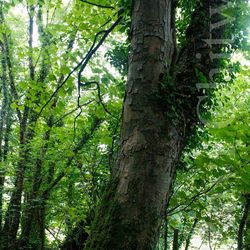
72, 111
98, 93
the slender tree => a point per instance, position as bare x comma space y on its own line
243, 230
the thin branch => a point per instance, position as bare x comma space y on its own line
98, 5
89, 55
98, 93
94, 48
72, 111
80, 107
193, 199
103, 25
209, 238
83, 63
75, 119
236, 149
52, 234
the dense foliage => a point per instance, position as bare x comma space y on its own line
62, 76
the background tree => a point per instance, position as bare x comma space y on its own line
49, 128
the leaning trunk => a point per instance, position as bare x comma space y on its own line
131, 211
158, 116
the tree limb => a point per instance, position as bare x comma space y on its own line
98, 5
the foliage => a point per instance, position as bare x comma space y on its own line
214, 179
61, 103
72, 142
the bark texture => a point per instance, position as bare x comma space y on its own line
158, 115
150, 144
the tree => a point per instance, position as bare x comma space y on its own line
48, 129
210, 197
158, 117
60, 109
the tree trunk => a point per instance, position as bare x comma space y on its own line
188, 240
5, 126
131, 211
158, 116
247, 233
33, 214
176, 239
165, 235
12, 216
3, 112
243, 223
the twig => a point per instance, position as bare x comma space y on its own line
53, 235
98, 93
209, 238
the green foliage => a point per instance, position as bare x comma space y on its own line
61, 36
214, 178
71, 130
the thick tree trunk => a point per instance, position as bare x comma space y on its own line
158, 115
131, 212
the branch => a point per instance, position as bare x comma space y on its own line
80, 107
98, 5
98, 93
83, 63
53, 235
72, 111
94, 48
193, 199
11, 77
243, 222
